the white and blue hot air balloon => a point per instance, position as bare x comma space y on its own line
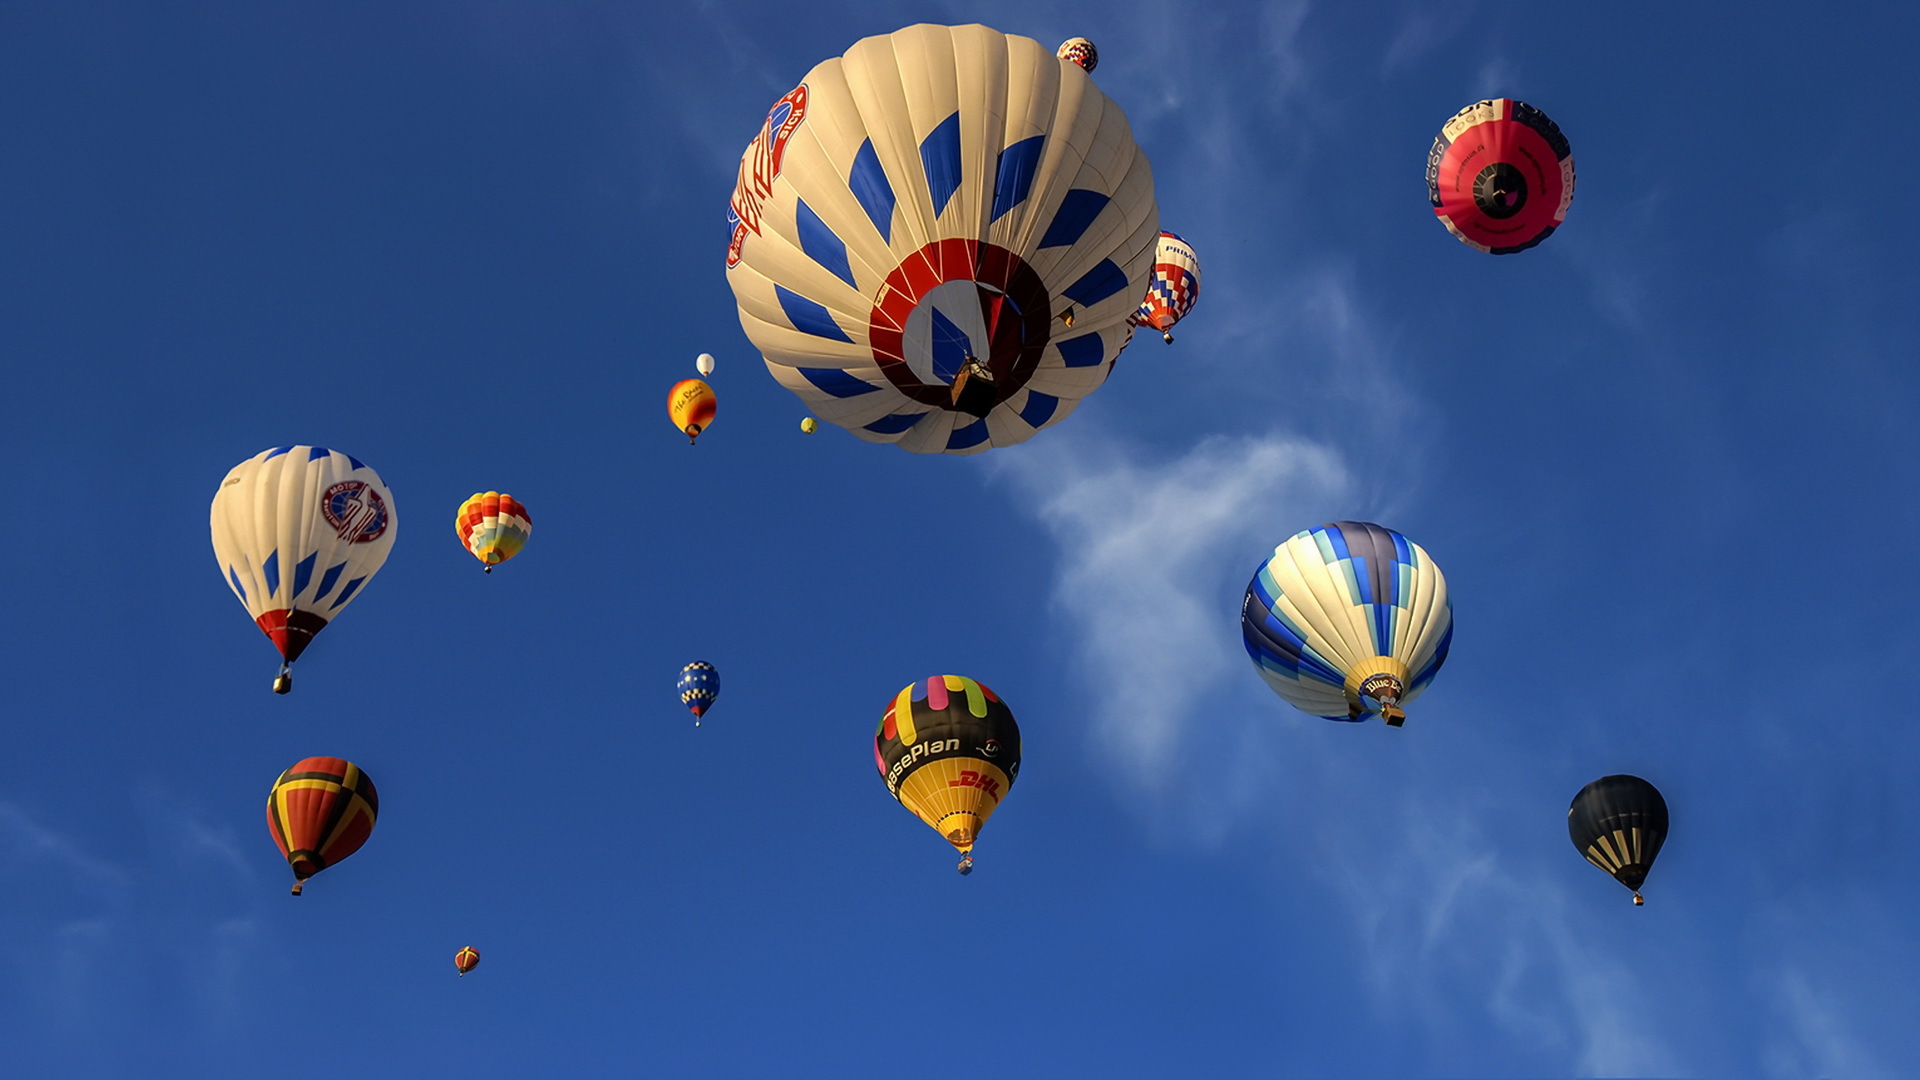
937, 239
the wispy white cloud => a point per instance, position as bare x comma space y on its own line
1153, 555
1816, 1037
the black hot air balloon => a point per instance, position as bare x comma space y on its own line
1619, 823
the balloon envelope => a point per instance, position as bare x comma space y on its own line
1347, 621
1500, 176
691, 405
494, 527
1175, 287
704, 364
938, 238
320, 811
699, 686
297, 532
466, 959
949, 750
1080, 51
1619, 824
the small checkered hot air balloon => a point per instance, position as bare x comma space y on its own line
320, 811
1174, 289
297, 531
494, 527
691, 405
1619, 824
1500, 176
948, 750
466, 959
938, 238
1080, 51
699, 686
1348, 621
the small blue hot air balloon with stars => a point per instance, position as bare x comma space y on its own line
699, 686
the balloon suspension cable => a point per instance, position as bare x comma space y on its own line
283, 682
1638, 900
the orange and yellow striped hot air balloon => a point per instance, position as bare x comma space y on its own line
949, 750
466, 959
691, 405
320, 811
494, 527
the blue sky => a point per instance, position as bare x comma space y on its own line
1664, 460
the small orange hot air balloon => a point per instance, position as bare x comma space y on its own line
691, 405
320, 811
467, 959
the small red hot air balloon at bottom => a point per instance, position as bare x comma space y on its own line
466, 959
320, 811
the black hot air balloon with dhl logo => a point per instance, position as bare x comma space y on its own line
1619, 823
949, 751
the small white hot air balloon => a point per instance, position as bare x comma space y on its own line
704, 364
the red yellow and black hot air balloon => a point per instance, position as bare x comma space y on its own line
691, 405
949, 750
466, 959
320, 811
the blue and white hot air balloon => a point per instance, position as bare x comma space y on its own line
937, 238
298, 531
1347, 621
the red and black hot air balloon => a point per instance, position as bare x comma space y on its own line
1500, 176
320, 811
466, 959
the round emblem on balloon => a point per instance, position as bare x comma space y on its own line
1500, 191
950, 306
355, 510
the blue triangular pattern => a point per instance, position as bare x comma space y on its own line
951, 347
940, 157
870, 186
837, 382
1083, 351
808, 316
357, 463
271, 571
276, 452
894, 423
972, 435
1076, 212
1018, 163
346, 594
821, 245
326, 581
303, 573
239, 588
1039, 408
1097, 284
315, 453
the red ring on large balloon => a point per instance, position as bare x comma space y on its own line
1014, 302
1501, 142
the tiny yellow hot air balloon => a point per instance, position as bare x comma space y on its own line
809, 425
691, 405
494, 527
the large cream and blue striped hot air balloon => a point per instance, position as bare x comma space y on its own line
938, 238
298, 530
1347, 621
